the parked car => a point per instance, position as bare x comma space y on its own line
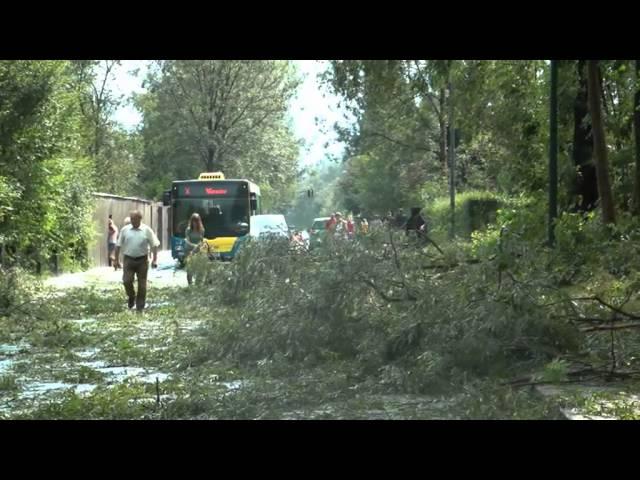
317, 231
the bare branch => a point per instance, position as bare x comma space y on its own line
398, 142
382, 294
623, 326
608, 305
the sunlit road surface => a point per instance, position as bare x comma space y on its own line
164, 276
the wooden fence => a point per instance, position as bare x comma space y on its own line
154, 214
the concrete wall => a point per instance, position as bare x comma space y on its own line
154, 214
163, 229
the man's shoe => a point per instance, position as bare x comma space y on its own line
132, 302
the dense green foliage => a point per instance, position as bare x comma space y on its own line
397, 150
46, 178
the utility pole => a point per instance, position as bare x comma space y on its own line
452, 161
553, 152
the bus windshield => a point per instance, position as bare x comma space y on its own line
220, 216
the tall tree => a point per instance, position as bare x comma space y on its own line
429, 80
392, 151
599, 143
40, 159
218, 115
219, 104
97, 100
636, 133
116, 154
586, 186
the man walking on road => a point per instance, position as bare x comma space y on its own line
135, 240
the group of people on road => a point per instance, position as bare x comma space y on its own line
337, 226
345, 229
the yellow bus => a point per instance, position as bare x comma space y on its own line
224, 205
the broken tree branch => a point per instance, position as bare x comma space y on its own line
596, 298
383, 295
622, 326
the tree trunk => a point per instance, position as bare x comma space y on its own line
599, 144
211, 153
442, 155
212, 164
636, 137
585, 187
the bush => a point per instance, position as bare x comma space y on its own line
478, 213
435, 319
474, 211
17, 294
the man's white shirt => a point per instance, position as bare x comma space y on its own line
135, 242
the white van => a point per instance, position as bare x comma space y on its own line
268, 225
